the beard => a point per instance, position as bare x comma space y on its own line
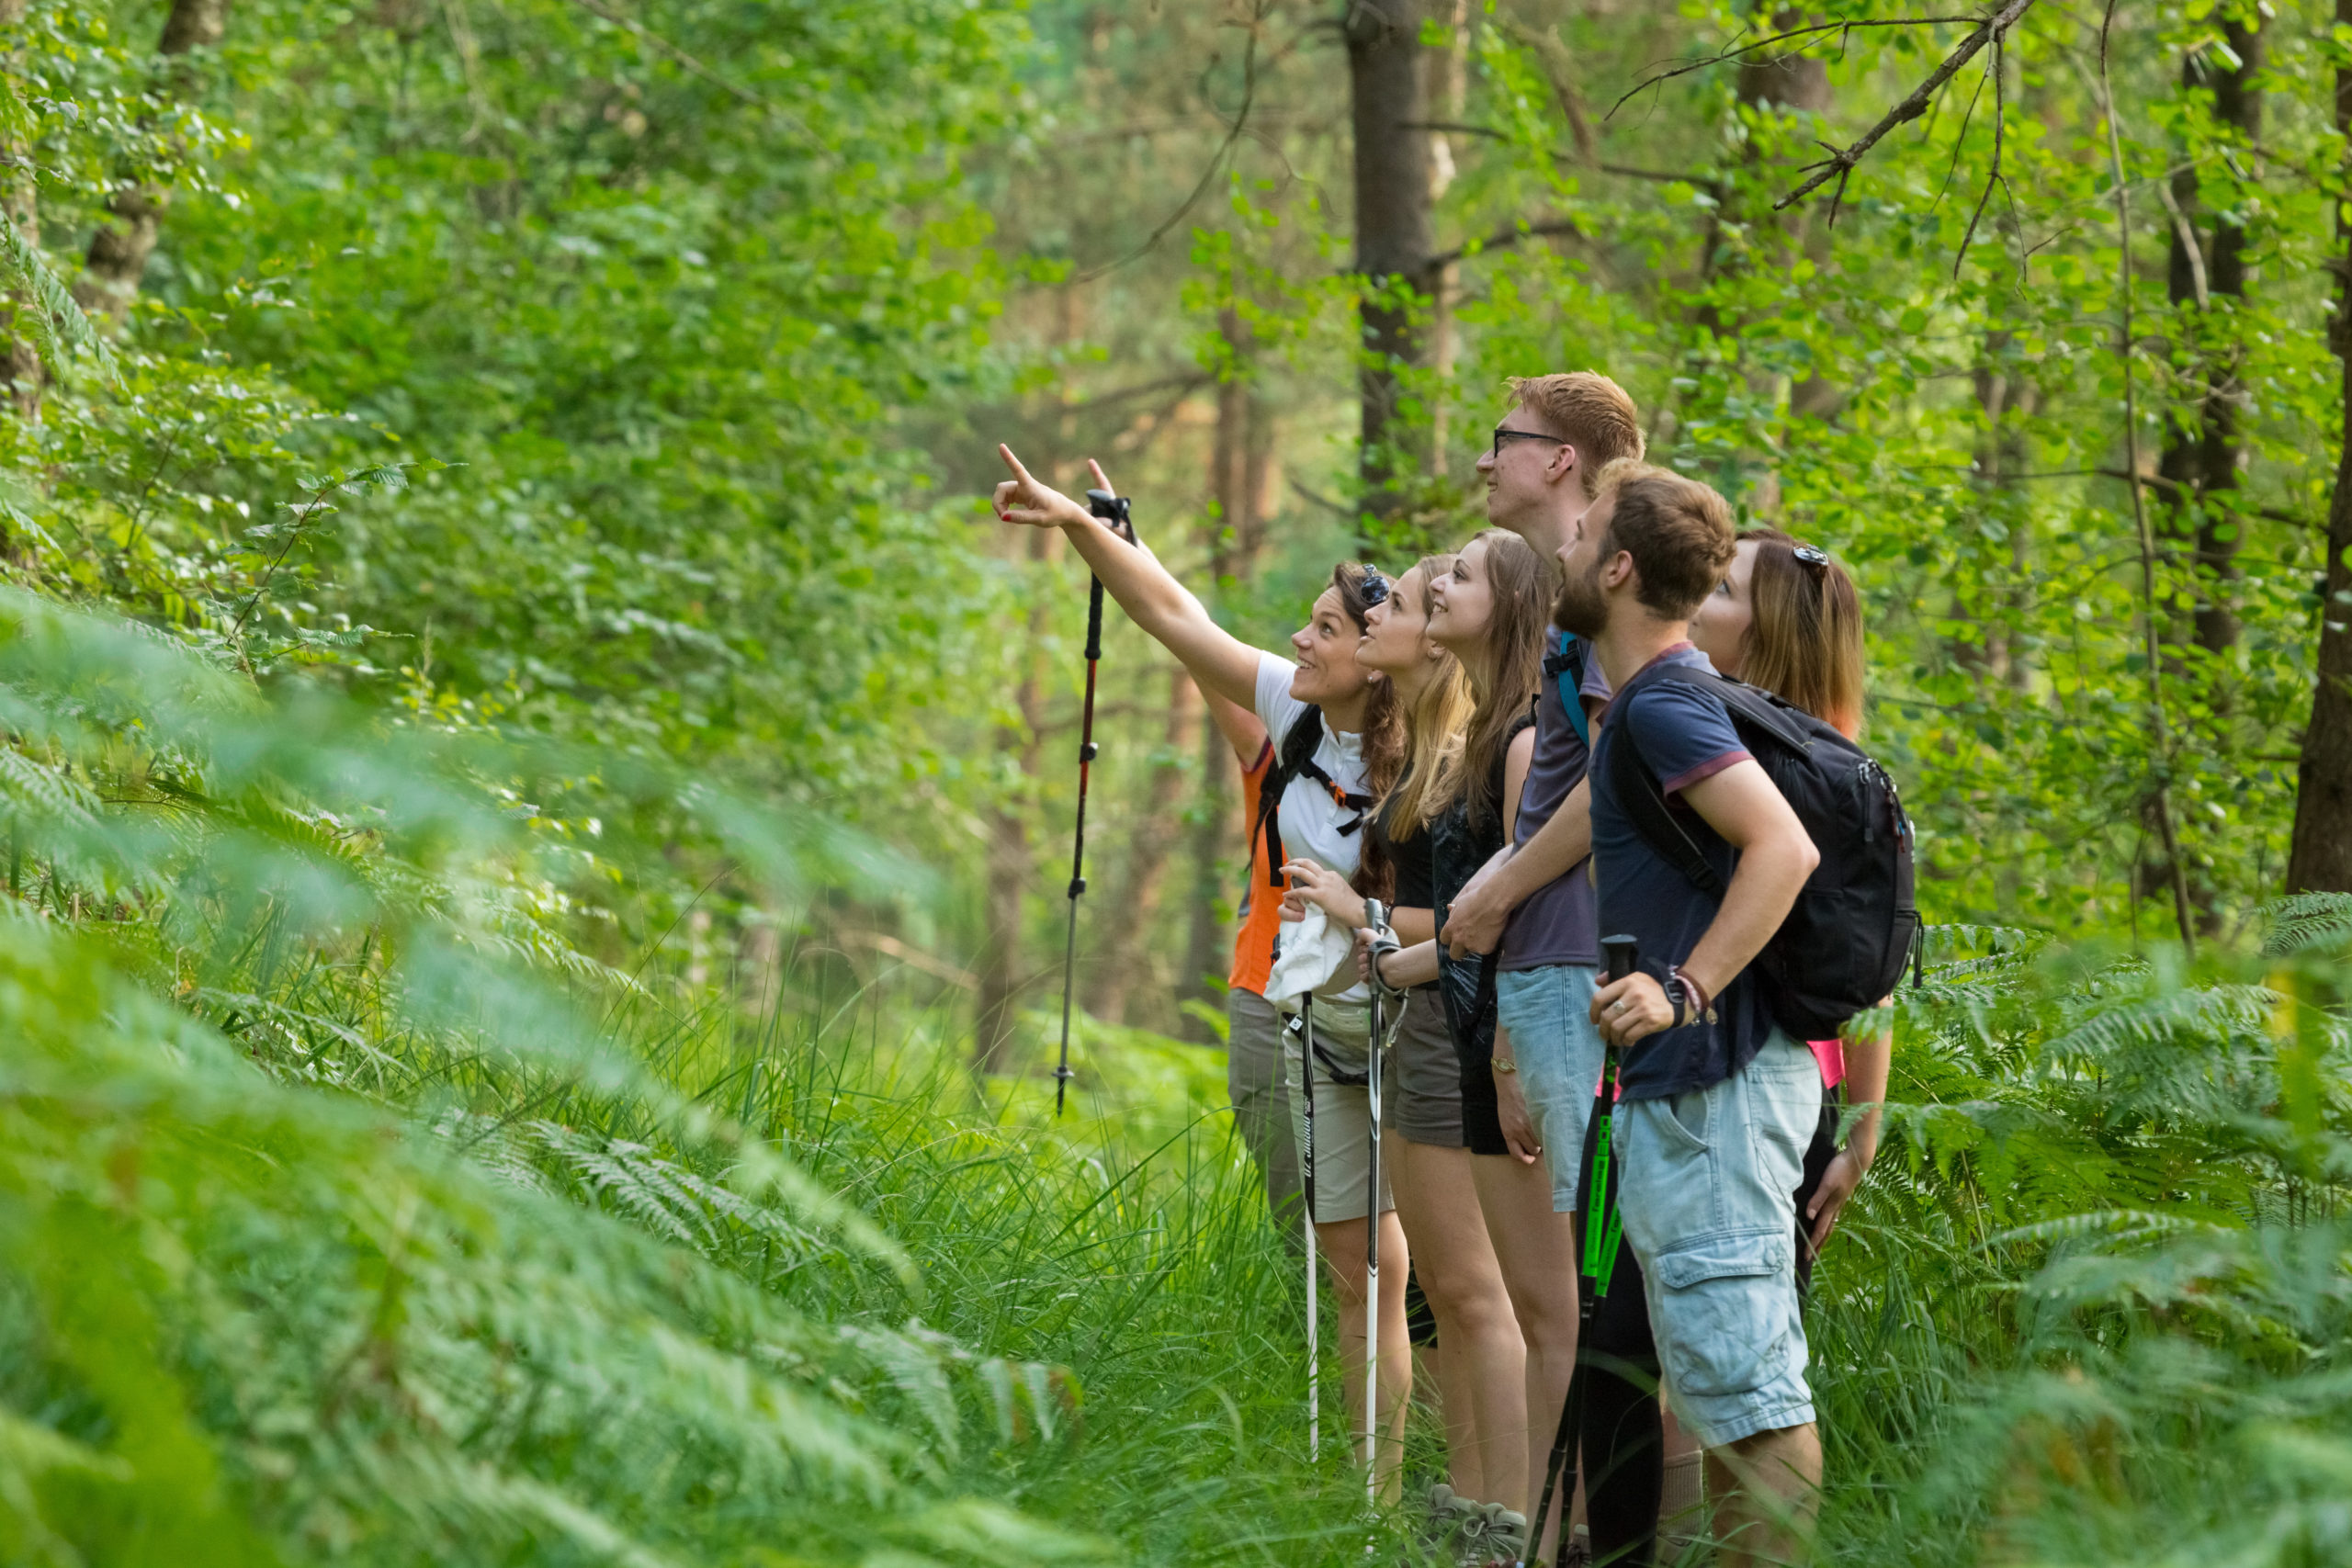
1580, 608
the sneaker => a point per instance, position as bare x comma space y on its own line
1500, 1536
1453, 1521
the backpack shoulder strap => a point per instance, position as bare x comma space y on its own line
1756, 707
1565, 665
1635, 785
1297, 759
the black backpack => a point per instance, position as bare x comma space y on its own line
1844, 944
1297, 759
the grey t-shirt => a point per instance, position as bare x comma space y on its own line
1558, 923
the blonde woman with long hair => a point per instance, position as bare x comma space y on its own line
1426, 1145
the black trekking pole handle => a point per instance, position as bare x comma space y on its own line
1618, 955
1114, 510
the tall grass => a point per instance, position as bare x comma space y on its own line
353, 1209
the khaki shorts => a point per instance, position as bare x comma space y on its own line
1337, 1167
1421, 1079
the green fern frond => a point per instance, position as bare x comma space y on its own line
55, 317
2306, 920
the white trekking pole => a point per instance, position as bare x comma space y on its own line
1383, 942
1306, 1182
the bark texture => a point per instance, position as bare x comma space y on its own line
1389, 76
2320, 860
1241, 473
2204, 447
117, 262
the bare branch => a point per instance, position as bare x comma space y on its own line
1502, 239
1560, 155
2000, 112
2187, 238
1841, 27
1841, 164
1217, 162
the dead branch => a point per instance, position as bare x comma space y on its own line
1841, 164
1502, 239
2000, 113
1686, 68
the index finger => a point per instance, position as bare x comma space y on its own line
1102, 479
1013, 463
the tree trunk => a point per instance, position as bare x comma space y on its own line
117, 262
1241, 466
2008, 400
2203, 450
2320, 860
20, 204
1388, 71
1011, 865
1150, 848
1448, 81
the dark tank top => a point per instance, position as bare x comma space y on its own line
1460, 843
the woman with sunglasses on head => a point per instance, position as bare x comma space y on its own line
1480, 1358
1787, 619
1315, 817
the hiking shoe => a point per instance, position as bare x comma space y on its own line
1453, 1521
1500, 1536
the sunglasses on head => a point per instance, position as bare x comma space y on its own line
1374, 587
1814, 561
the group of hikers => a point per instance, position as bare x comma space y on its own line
1461, 779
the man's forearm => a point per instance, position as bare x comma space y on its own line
1762, 891
1551, 854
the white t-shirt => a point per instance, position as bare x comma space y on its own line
1310, 817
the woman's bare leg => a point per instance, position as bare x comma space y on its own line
1341, 1244
1481, 1365
1535, 1251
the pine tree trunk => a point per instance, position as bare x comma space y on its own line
1241, 467
1388, 80
117, 262
2320, 860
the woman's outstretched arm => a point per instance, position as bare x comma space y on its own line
1152, 598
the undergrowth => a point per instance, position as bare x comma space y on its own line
362, 1201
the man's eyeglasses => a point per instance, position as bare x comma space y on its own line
1374, 587
1504, 432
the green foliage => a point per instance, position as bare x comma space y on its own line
453, 1109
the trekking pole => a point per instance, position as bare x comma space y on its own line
1112, 509
1620, 953
1384, 941
1306, 1182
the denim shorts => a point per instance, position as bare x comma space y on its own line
1548, 1013
1707, 1192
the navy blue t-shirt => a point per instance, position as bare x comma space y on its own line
1684, 735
